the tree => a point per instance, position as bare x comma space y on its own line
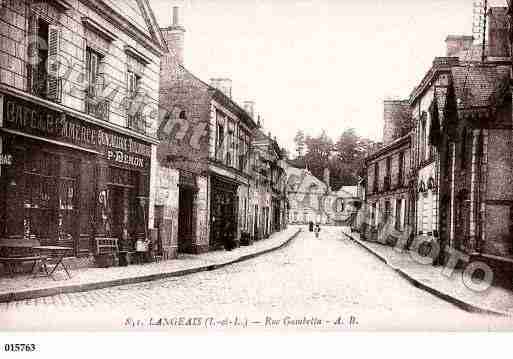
351, 151
299, 140
318, 153
344, 158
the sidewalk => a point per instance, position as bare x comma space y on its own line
495, 300
26, 287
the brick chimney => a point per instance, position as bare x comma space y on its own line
174, 36
222, 84
396, 117
498, 33
249, 107
458, 43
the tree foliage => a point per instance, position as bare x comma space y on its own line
344, 157
299, 140
319, 150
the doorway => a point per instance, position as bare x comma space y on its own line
185, 219
117, 208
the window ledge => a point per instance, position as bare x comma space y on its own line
99, 29
139, 56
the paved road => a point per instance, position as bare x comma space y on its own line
327, 283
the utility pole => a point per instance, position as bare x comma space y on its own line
484, 31
510, 24
479, 25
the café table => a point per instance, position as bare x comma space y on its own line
58, 253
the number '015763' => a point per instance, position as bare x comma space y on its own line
19, 347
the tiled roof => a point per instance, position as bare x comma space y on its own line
476, 85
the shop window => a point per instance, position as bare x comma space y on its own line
50, 196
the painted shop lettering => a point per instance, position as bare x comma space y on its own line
124, 158
42, 121
79, 133
5, 159
26, 118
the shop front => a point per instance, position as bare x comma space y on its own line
223, 213
69, 180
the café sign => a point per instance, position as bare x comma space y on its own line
5, 159
37, 120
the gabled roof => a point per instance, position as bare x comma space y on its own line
141, 17
261, 137
233, 106
170, 72
306, 180
479, 85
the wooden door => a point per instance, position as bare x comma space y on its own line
185, 218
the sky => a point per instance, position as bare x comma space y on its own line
317, 65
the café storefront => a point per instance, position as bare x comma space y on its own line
66, 180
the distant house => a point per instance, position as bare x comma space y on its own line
312, 200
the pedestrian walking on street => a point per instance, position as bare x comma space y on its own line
317, 230
310, 226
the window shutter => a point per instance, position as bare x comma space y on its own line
33, 53
54, 91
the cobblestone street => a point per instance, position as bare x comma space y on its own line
321, 279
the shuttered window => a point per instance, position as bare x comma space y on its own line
93, 60
133, 83
54, 84
134, 114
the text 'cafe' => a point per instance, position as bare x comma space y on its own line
65, 180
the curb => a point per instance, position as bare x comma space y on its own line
75, 288
447, 297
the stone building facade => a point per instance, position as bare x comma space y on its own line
427, 103
462, 150
476, 164
388, 192
79, 84
270, 197
313, 200
204, 188
305, 193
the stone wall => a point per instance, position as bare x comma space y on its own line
74, 39
167, 198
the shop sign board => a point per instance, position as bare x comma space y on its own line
34, 119
5, 159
